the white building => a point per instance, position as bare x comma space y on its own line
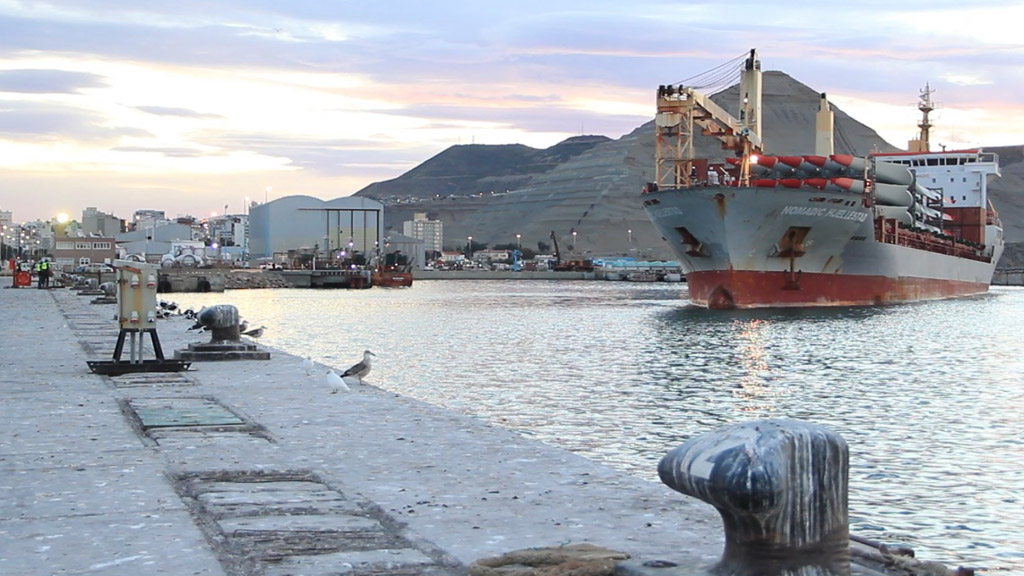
334, 228
491, 255
99, 223
431, 232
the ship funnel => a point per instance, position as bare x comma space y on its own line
824, 144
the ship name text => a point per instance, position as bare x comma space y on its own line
823, 212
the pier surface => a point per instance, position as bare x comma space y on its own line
253, 467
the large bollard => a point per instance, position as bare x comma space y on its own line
781, 489
222, 322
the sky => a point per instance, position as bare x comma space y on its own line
198, 107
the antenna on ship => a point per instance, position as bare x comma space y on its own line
921, 144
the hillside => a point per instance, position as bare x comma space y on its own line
592, 184
473, 169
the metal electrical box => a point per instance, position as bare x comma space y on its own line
136, 295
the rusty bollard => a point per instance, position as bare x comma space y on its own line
222, 322
781, 489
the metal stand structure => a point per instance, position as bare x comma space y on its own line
135, 354
137, 316
135, 362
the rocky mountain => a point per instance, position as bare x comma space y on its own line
591, 185
472, 170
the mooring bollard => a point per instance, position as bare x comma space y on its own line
781, 489
222, 322
109, 289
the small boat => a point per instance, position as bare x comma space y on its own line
391, 277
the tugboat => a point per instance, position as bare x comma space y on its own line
392, 271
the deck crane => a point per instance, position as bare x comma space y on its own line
680, 108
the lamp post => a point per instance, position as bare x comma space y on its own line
630, 232
469, 247
574, 249
519, 244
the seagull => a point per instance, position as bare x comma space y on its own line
335, 382
307, 365
255, 332
243, 326
361, 369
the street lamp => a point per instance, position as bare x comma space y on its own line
630, 232
519, 244
574, 249
469, 247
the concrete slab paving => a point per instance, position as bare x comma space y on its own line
111, 544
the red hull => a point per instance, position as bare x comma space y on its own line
392, 279
724, 289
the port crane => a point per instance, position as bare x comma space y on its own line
558, 255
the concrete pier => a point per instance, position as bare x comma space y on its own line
255, 468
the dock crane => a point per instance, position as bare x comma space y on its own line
558, 255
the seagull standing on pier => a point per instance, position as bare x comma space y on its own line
361, 369
255, 333
307, 365
335, 382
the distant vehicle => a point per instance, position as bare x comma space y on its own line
94, 268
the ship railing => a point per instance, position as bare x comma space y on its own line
935, 245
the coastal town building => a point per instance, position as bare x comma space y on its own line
399, 247
69, 253
150, 243
95, 222
491, 255
431, 232
147, 218
334, 229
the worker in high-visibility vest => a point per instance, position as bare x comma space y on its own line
43, 271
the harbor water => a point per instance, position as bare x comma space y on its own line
928, 395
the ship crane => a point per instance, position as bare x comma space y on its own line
681, 109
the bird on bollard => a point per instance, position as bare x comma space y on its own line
360, 369
336, 382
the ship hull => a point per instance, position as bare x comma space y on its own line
734, 246
726, 289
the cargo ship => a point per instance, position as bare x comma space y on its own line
819, 229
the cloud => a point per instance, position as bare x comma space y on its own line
329, 157
48, 81
42, 121
168, 152
180, 112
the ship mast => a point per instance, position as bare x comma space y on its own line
921, 143
681, 108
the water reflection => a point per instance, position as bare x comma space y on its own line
927, 395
